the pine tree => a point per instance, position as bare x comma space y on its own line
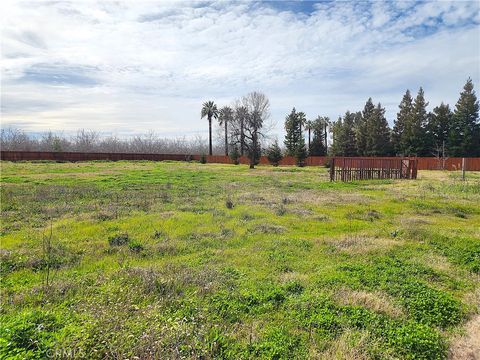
438, 127
349, 131
317, 146
417, 128
293, 132
338, 144
344, 143
301, 152
361, 126
378, 138
464, 135
401, 124
274, 154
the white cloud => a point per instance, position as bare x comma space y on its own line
153, 63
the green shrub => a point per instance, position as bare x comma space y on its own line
274, 154
29, 335
235, 155
119, 239
135, 246
278, 343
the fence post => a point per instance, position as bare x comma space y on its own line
463, 168
332, 169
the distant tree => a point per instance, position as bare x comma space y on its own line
86, 140
338, 138
309, 128
350, 143
401, 125
301, 152
317, 147
417, 129
438, 128
344, 143
293, 129
378, 133
361, 127
274, 154
225, 116
238, 133
464, 134
256, 110
235, 155
209, 110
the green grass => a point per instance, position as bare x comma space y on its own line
167, 260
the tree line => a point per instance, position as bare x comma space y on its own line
415, 132
245, 129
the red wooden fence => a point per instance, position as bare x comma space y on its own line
426, 163
363, 168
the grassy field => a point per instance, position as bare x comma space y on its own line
181, 260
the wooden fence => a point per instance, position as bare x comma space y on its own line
425, 163
364, 168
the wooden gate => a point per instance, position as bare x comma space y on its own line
366, 168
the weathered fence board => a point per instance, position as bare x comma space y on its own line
424, 163
364, 168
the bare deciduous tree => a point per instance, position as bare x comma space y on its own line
252, 127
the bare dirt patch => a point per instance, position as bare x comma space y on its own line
467, 347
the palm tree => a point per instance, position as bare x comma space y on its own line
309, 127
209, 109
225, 116
241, 114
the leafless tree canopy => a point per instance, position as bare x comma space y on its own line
91, 141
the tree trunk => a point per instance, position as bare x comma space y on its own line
210, 135
326, 146
242, 138
226, 139
309, 131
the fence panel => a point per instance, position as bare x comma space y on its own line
424, 163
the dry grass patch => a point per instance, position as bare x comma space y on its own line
350, 345
330, 197
290, 276
467, 347
376, 301
360, 244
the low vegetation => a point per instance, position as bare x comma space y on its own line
189, 260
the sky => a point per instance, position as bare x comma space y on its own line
128, 67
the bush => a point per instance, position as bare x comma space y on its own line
119, 239
274, 154
28, 335
235, 155
203, 159
135, 246
301, 153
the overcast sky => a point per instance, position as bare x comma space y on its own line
129, 67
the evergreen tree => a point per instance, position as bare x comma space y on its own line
464, 135
438, 127
378, 133
235, 155
337, 129
317, 145
301, 152
350, 144
344, 143
401, 124
274, 154
417, 128
293, 132
361, 127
